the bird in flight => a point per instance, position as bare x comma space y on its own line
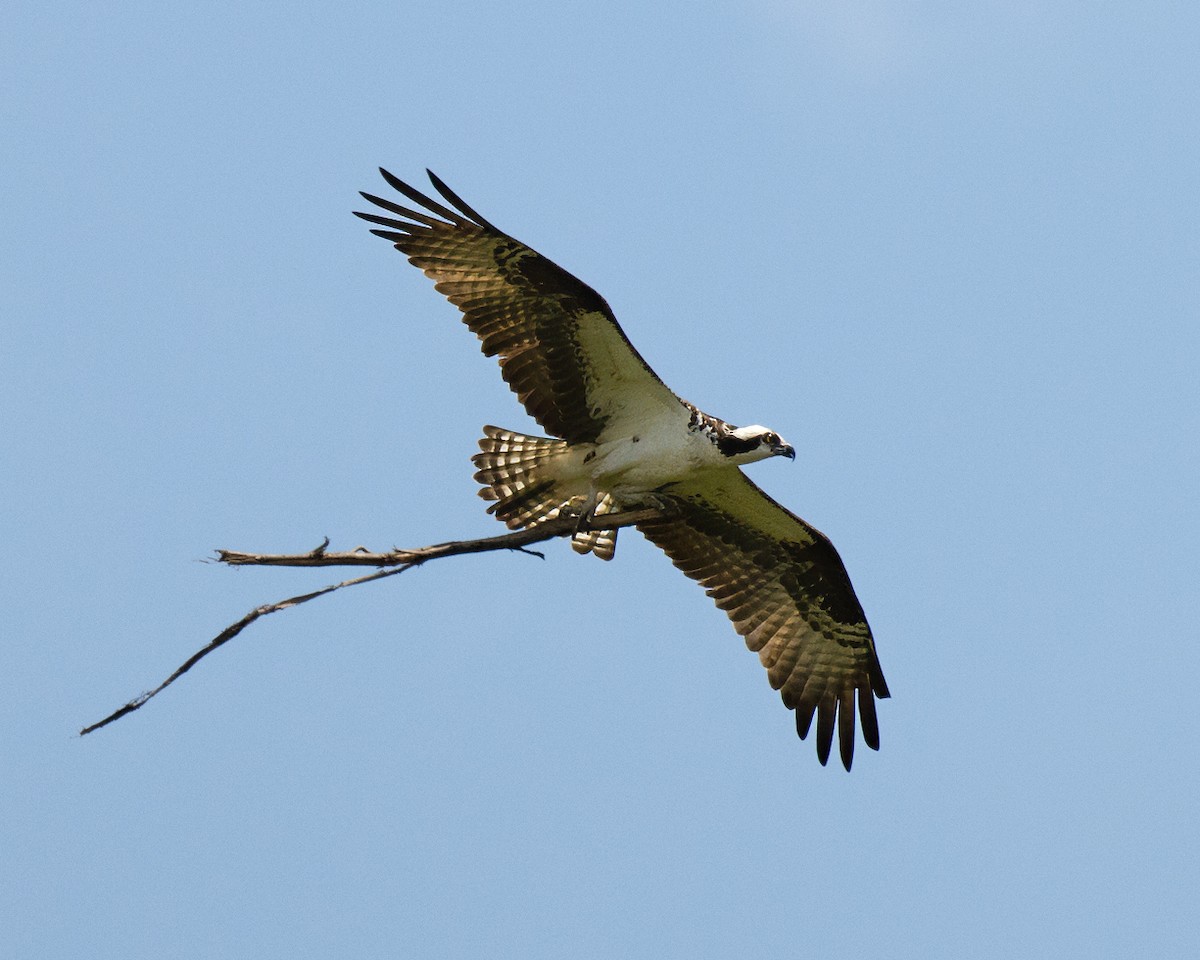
622, 440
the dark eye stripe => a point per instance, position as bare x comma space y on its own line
731, 446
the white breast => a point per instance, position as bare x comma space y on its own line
646, 460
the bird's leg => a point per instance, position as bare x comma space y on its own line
587, 512
659, 501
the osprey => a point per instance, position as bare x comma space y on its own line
621, 439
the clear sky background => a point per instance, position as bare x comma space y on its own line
949, 251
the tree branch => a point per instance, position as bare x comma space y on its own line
360, 557
393, 562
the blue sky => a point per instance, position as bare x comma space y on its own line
950, 252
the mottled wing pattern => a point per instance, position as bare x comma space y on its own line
784, 587
559, 346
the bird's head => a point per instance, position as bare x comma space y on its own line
755, 442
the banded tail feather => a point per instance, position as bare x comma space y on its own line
603, 543
517, 472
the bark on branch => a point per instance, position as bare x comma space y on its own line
391, 563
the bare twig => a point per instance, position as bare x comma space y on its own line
393, 562
322, 557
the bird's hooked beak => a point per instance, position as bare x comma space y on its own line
784, 450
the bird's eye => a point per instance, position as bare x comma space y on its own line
773, 439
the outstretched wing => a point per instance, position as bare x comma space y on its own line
560, 348
784, 587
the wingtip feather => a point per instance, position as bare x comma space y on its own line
870, 723
846, 728
416, 196
804, 719
440, 185
392, 236
825, 718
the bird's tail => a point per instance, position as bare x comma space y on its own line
517, 472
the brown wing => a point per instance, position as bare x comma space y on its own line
560, 348
787, 592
